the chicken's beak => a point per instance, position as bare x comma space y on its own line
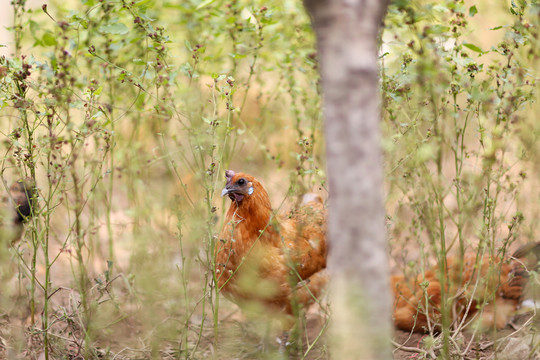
224, 192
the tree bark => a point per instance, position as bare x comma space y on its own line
347, 35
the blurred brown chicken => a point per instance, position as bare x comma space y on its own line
486, 283
15, 209
271, 261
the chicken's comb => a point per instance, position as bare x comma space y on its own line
229, 174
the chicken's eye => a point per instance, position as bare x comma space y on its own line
241, 182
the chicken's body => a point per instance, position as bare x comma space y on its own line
270, 261
496, 289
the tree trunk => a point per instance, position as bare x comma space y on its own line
347, 33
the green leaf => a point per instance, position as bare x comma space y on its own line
237, 56
143, 3
145, 17
437, 29
204, 4
473, 47
34, 27
48, 39
473, 11
188, 45
115, 29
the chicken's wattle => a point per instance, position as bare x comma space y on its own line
236, 197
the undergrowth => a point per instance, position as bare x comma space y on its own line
461, 141
126, 115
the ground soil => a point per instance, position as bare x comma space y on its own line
515, 342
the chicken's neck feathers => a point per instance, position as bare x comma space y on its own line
252, 214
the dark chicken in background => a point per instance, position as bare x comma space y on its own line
267, 260
15, 210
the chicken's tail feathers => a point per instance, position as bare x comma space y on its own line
525, 259
526, 250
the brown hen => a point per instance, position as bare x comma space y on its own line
272, 261
496, 288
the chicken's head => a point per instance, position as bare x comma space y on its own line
238, 186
